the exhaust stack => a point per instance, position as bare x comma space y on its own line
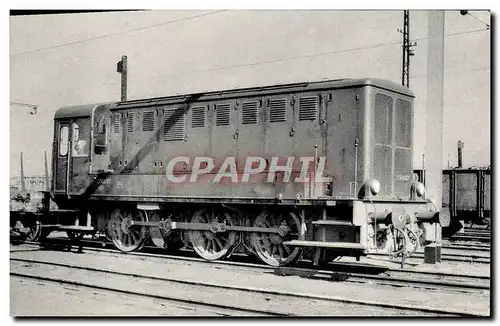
460, 147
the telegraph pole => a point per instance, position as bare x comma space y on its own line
407, 51
121, 67
23, 184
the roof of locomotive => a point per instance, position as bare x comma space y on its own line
76, 111
87, 109
267, 90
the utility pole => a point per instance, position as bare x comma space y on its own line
407, 51
434, 123
121, 67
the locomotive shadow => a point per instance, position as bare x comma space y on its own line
339, 272
141, 153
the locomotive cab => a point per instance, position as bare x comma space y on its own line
80, 150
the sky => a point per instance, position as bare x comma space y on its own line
61, 60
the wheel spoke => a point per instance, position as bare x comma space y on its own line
219, 243
280, 249
134, 236
287, 250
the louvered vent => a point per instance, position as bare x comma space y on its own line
223, 114
148, 121
277, 110
130, 122
198, 117
249, 113
116, 123
174, 125
308, 108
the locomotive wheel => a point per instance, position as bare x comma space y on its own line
209, 245
161, 238
35, 232
269, 247
125, 237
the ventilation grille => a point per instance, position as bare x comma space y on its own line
130, 122
148, 121
174, 125
116, 123
198, 117
249, 113
277, 110
308, 108
223, 114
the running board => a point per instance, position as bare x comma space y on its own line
321, 244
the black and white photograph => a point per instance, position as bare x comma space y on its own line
250, 162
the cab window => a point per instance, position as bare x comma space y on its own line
101, 136
63, 140
80, 133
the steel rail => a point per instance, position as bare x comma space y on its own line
445, 256
354, 277
237, 288
148, 295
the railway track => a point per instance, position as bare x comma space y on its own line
347, 272
451, 257
471, 238
472, 235
466, 247
473, 254
230, 298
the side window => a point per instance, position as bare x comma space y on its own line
101, 136
79, 142
63, 140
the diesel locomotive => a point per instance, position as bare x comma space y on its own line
318, 169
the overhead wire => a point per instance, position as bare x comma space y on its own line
115, 34
455, 71
299, 57
231, 66
277, 60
